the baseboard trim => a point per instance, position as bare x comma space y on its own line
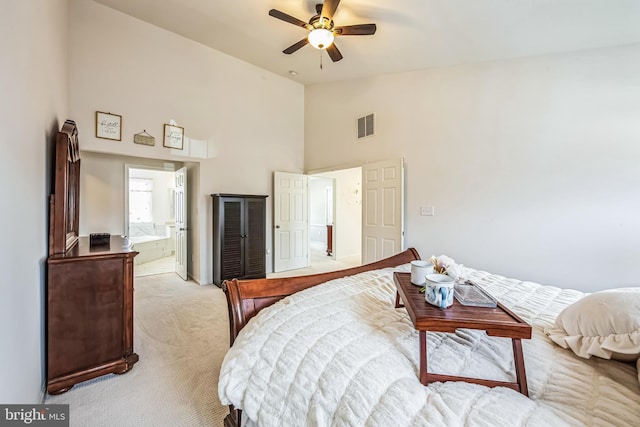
43, 392
197, 281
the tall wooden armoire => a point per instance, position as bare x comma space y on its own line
239, 237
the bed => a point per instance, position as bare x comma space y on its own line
332, 349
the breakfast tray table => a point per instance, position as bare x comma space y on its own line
498, 322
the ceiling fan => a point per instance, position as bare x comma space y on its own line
322, 29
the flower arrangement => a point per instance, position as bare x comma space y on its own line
445, 265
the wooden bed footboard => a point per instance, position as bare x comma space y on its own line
245, 298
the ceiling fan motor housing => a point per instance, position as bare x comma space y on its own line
318, 23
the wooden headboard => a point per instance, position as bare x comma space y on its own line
245, 298
64, 204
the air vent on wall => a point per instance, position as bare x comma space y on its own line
365, 126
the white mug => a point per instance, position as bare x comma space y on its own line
439, 290
419, 271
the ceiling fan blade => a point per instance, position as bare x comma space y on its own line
329, 8
296, 46
290, 19
334, 53
355, 30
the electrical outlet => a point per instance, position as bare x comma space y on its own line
427, 211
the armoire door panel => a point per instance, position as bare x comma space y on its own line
255, 238
232, 239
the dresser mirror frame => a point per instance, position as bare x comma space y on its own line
64, 202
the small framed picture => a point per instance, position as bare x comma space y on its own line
173, 136
108, 126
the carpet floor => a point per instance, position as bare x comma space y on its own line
181, 333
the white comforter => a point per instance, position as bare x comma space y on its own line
340, 354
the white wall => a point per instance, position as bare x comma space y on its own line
253, 119
33, 106
532, 165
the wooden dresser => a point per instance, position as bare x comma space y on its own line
90, 313
89, 289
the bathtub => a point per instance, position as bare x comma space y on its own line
152, 247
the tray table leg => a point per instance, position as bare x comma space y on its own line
518, 358
423, 357
398, 301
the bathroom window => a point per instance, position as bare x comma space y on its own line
140, 200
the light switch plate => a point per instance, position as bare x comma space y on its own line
427, 211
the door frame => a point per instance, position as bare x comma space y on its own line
127, 167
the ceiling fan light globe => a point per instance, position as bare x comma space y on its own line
320, 38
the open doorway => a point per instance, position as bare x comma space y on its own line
321, 209
367, 223
335, 200
334, 222
151, 220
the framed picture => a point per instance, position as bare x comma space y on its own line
108, 126
173, 136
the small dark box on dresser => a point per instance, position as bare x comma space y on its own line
99, 239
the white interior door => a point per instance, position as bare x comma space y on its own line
382, 210
180, 207
290, 221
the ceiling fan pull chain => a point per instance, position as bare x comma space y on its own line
321, 60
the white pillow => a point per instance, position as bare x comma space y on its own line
604, 324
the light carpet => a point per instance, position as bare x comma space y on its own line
320, 263
181, 333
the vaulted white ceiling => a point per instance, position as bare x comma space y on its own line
411, 34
